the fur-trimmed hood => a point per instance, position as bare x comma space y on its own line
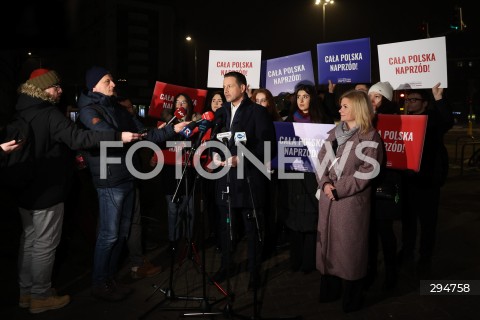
35, 92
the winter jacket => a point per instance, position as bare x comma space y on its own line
54, 137
103, 113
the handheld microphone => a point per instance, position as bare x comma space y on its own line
240, 137
206, 119
179, 114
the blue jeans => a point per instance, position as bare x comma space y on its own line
134, 242
115, 213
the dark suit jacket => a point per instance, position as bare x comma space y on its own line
254, 120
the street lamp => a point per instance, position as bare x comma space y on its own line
325, 2
190, 39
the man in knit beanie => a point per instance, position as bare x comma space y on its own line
94, 75
45, 84
100, 110
41, 199
44, 78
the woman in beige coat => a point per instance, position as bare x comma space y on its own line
350, 159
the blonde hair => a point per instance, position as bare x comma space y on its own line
362, 109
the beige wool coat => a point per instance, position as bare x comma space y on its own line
342, 238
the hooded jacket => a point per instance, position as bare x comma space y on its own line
54, 136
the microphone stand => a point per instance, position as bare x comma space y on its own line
257, 237
206, 306
169, 292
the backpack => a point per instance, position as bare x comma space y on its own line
19, 166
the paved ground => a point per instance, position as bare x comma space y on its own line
283, 293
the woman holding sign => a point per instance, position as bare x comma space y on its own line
350, 159
301, 206
386, 200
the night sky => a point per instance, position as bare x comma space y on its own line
278, 28
281, 28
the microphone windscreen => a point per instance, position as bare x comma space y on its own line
209, 116
180, 113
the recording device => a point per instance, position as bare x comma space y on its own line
203, 123
335, 194
180, 113
240, 137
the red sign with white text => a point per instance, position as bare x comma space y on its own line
164, 93
403, 136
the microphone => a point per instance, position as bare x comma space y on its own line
204, 122
240, 137
179, 114
224, 136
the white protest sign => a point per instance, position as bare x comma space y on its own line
246, 62
414, 64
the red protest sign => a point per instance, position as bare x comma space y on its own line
403, 136
164, 93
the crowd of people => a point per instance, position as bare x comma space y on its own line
335, 219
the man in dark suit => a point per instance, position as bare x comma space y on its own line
246, 194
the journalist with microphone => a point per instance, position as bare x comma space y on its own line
241, 197
100, 111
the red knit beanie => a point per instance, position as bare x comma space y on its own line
43, 78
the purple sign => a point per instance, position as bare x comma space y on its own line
283, 74
344, 61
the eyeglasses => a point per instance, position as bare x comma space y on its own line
182, 103
56, 86
260, 100
413, 100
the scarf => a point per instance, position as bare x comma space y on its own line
299, 116
342, 134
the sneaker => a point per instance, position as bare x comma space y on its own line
146, 270
50, 303
108, 292
24, 301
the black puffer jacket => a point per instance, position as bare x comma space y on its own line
54, 135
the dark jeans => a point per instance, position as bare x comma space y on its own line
115, 210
